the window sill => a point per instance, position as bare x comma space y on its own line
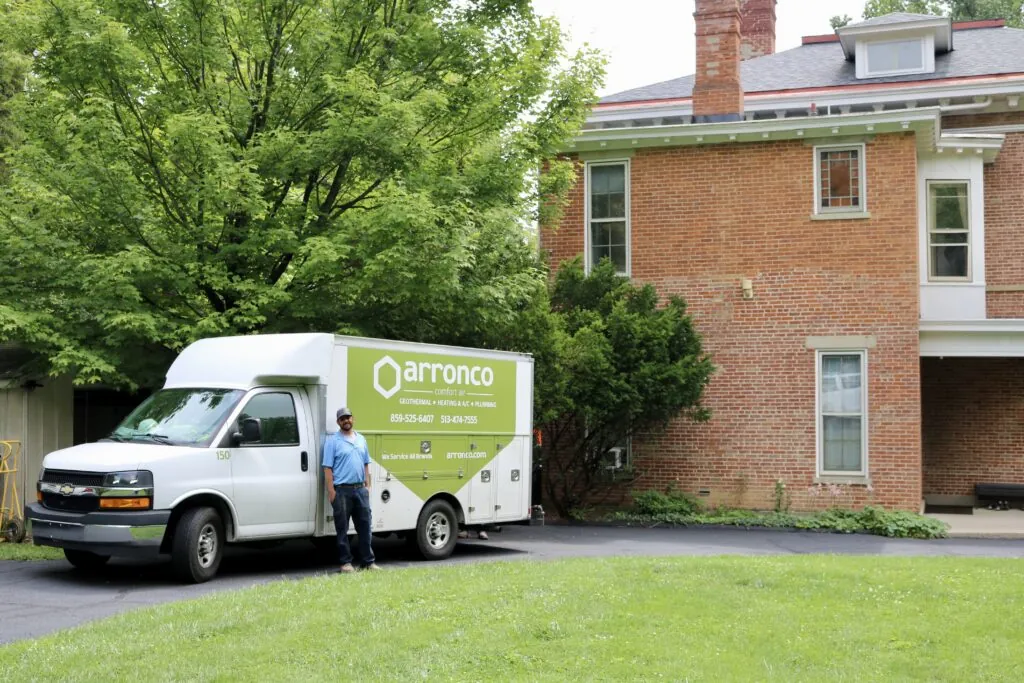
844, 479
841, 216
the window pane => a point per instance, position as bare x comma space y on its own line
617, 234
895, 56
599, 234
841, 384
276, 413
842, 447
599, 179
949, 261
840, 178
599, 252
617, 205
618, 254
599, 206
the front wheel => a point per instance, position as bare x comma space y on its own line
84, 560
198, 545
436, 530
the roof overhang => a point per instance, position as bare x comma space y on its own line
973, 339
942, 28
925, 122
855, 94
987, 146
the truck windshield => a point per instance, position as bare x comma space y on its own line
178, 417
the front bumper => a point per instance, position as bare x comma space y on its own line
134, 534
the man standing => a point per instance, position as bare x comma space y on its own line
346, 465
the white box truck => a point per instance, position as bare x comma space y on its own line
229, 450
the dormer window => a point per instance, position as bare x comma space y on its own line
896, 44
894, 57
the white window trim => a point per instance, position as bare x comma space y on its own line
625, 162
819, 210
927, 57
929, 223
819, 432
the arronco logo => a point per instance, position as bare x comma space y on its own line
389, 376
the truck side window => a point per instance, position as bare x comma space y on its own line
276, 413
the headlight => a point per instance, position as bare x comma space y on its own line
134, 479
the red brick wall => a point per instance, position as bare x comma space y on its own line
1004, 217
972, 423
703, 218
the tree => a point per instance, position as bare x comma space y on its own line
840, 21
628, 366
210, 167
959, 10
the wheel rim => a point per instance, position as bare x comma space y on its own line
438, 530
206, 549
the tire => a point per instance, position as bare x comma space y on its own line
436, 530
84, 560
198, 545
14, 530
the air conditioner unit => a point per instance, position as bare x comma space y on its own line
613, 458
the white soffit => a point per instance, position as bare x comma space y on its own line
925, 122
973, 339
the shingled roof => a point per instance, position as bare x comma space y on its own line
979, 52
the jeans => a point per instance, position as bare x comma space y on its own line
355, 504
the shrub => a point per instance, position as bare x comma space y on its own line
671, 502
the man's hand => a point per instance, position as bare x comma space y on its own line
331, 495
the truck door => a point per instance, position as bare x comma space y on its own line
481, 489
275, 478
512, 478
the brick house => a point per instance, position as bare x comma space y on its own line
844, 221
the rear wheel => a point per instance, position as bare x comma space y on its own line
84, 560
436, 530
198, 545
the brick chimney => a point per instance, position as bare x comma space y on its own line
757, 28
717, 92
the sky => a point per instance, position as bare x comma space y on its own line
648, 41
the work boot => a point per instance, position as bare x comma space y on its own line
347, 568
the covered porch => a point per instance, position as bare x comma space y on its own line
972, 425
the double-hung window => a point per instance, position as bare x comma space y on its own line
608, 214
842, 413
949, 231
839, 179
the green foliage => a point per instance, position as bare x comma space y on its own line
191, 169
671, 502
959, 10
652, 507
781, 497
839, 21
627, 364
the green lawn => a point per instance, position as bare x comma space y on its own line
810, 618
27, 551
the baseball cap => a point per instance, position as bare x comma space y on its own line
344, 412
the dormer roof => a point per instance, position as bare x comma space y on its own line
895, 26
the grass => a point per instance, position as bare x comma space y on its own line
27, 551
725, 618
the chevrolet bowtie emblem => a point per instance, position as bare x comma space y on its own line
67, 489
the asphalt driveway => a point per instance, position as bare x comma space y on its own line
37, 598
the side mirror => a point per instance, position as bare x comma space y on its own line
252, 432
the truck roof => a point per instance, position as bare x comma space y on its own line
243, 362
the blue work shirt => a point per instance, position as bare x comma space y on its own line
346, 458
